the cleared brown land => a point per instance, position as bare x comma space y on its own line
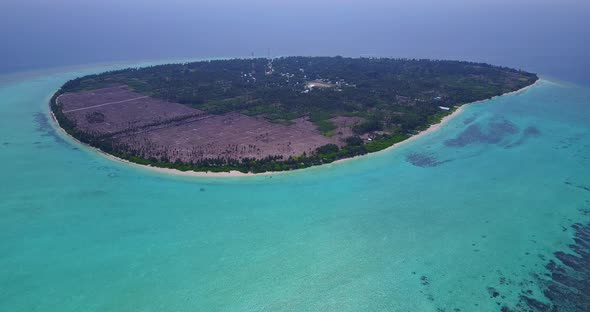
154, 128
115, 109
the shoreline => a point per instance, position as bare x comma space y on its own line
235, 173
444, 120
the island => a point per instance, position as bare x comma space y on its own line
256, 115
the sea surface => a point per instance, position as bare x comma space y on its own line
488, 213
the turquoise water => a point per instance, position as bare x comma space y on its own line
484, 202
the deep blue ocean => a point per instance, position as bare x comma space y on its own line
545, 36
489, 213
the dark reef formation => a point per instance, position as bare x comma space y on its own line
468, 120
44, 127
495, 131
528, 133
424, 160
567, 283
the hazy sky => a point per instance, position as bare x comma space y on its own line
551, 37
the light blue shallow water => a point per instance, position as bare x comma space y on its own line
488, 208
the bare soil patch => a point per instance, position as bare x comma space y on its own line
153, 128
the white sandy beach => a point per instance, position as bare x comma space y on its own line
235, 173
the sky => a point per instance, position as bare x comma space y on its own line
546, 36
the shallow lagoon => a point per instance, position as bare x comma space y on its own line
464, 218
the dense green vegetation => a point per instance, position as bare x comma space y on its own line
395, 98
393, 92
